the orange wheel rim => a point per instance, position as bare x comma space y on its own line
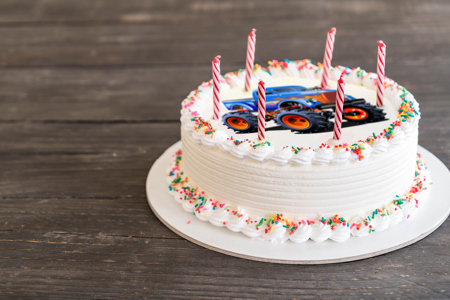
355, 113
295, 121
237, 123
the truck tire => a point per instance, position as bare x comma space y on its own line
363, 113
303, 121
241, 121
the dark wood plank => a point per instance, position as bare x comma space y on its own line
155, 93
137, 45
90, 94
79, 160
101, 264
206, 12
189, 41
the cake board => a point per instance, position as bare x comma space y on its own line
428, 218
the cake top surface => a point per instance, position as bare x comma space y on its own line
400, 111
285, 138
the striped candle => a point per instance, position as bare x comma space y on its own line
327, 59
380, 72
216, 86
250, 59
339, 108
261, 111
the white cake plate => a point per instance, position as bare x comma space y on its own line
429, 217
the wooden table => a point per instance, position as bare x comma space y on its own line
90, 97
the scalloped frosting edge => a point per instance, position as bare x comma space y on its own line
278, 229
204, 132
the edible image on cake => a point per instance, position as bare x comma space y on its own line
299, 109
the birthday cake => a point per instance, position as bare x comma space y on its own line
299, 183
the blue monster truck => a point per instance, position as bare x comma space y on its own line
299, 109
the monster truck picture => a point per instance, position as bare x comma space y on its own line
299, 109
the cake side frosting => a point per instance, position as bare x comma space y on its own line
278, 228
306, 191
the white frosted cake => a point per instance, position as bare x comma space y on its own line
300, 184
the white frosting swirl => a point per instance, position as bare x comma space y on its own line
302, 233
362, 226
251, 230
238, 221
370, 80
408, 130
395, 214
365, 152
240, 150
340, 233
380, 145
226, 145
260, 74
320, 231
308, 70
178, 195
259, 153
234, 80
323, 155
408, 208
381, 221
355, 76
281, 157
212, 140
276, 233
220, 216
397, 138
203, 212
335, 72
292, 69
197, 135
341, 156
189, 205
303, 157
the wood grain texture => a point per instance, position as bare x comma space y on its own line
147, 94
89, 98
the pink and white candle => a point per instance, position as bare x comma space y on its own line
327, 59
261, 111
339, 108
216, 86
250, 59
380, 72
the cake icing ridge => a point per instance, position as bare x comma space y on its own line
279, 229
